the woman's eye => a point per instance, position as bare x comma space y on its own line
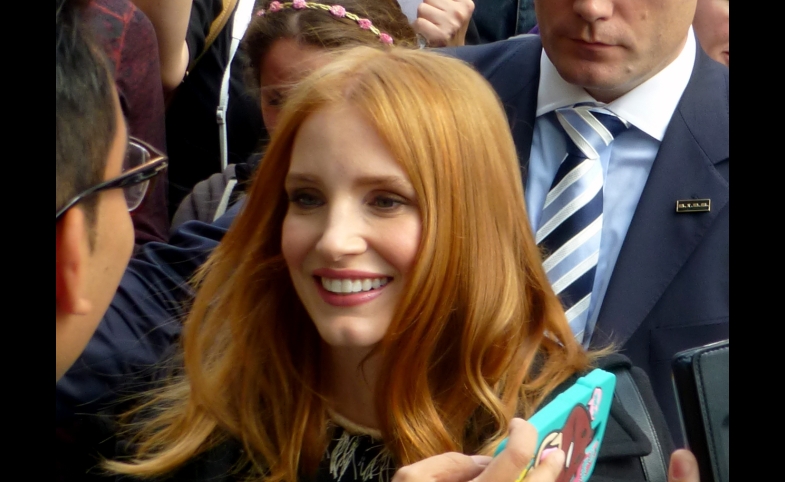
305, 200
387, 202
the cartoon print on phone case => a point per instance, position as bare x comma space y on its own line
574, 422
573, 439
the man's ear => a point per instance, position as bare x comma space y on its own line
72, 253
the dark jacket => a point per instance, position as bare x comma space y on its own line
142, 323
143, 320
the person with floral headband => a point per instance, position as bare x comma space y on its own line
284, 40
192, 68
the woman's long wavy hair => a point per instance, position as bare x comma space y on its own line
478, 337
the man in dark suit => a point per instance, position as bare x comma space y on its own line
662, 281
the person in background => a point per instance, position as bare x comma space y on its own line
640, 248
192, 71
281, 49
495, 20
342, 327
101, 175
91, 141
712, 27
440, 23
129, 42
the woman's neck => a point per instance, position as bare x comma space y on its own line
352, 384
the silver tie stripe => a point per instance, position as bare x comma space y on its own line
571, 221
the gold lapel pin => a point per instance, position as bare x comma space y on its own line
693, 205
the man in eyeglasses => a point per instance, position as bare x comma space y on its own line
100, 178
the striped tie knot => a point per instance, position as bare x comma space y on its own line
590, 128
571, 221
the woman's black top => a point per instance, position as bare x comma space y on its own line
362, 457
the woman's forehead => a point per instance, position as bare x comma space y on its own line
287, 62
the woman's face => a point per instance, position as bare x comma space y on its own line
352, 229
285, 64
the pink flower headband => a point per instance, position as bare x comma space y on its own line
335, 10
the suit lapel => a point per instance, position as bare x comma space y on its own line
519, 97
688, 165
522, 117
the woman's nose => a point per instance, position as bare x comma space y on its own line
342, 235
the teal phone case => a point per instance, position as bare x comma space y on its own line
574, 422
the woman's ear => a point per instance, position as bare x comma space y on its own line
72, 254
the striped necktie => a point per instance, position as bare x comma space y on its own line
571, 221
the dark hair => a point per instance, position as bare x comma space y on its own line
85, 109
319, 28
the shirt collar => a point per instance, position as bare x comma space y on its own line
649, 107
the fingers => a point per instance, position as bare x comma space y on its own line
508, 466
513, 460
683, 467
444, 22
549, 469
449, 467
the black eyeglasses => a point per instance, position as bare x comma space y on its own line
142, 163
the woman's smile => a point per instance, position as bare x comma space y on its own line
350, 292
352, 229
349, 287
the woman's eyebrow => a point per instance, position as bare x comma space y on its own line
364, 181
382, 180
299, 177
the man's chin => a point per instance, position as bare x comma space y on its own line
603, 86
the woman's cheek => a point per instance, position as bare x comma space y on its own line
293, 238
403, 242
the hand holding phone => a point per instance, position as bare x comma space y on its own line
574, 422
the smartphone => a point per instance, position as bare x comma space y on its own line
574, 422
702, 386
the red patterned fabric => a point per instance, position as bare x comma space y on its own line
129, 41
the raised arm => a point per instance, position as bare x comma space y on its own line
170, 19
443, 23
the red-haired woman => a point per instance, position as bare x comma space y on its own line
378, 302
